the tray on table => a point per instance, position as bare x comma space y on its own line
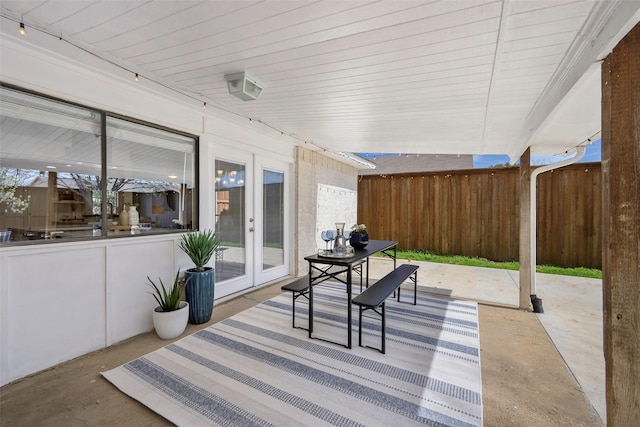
324, 253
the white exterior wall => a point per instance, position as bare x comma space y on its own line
61, 300
312, 168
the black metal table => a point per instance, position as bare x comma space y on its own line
324, 268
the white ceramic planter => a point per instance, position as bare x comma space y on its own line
171, 324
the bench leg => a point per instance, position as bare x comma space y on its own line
293, 308
415, 287
294, 296
384, 328
414, 278
360, 327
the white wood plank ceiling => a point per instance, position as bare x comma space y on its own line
452, 77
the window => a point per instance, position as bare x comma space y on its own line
53, 184
230, 219
273, 217
153, 171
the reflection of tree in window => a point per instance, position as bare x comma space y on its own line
90, 188
10, 199
51, 160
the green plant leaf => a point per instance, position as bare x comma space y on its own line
199, 246
168, 299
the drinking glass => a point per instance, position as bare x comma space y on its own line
327, 236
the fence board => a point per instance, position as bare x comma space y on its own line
475, 213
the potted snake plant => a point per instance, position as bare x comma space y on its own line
199, 247
171, 315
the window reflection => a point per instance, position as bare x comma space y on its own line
150, 178
49, 152
230, 214
51, 175
273, 213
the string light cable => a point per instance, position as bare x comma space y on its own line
137, 76
586, 142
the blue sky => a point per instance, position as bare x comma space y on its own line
593, 154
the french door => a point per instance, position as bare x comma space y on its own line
251, 220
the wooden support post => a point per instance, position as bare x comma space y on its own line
526, 269
621, 229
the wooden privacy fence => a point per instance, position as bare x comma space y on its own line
476, 213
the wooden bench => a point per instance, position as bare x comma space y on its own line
298, 288
373, 298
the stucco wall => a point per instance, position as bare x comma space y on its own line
313, 168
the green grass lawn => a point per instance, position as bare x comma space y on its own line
482, 262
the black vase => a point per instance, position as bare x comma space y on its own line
359, 240
199, 294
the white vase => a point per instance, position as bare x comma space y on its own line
124, 217
134, 217
171, 324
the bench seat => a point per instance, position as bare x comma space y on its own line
374, 297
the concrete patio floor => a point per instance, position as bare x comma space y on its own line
572, 313
537, 369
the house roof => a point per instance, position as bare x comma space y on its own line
443, 77
406, 163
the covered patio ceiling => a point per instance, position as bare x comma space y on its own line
439, 77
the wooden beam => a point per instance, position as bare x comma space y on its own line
526, 269
621, 228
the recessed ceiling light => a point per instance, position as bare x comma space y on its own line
51, 167
173, 176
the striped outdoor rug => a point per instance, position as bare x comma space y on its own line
255, 369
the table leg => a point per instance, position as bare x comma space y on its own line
349, 277
367, 273
395, 257
310, 301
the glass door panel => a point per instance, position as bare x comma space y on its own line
230, 258
271, 259
273, 217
